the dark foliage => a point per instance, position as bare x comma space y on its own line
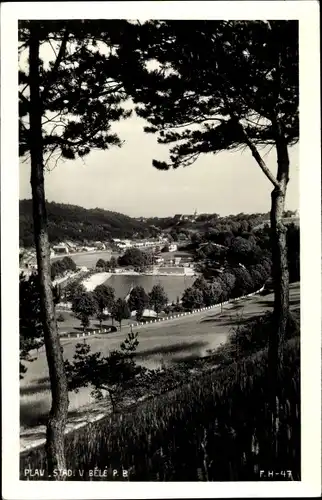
138, 301
84, 306
158, 298
110, 373
30, 320
133, 257
208, 429
79, 224
120, 311
59, 267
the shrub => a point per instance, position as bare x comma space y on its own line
60, 318
252, 336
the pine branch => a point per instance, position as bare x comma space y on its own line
23, 98
194, 122
235, 118
59, 58
258, 158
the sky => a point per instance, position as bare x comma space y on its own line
124, 180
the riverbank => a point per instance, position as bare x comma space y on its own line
106, 277
96, 279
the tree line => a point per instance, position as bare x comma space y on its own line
132, 257
78, 224
60, 267
102, 303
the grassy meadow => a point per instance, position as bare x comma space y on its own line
213, 427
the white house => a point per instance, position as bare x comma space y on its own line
124, 244
61, 248
147, 313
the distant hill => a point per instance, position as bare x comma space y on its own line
188, 225
78, 224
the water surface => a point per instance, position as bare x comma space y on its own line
174, 286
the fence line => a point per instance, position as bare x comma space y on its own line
175, 316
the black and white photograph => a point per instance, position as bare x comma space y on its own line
159, 223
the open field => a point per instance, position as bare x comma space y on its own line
169, 341
88, 259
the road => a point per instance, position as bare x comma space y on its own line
167, 341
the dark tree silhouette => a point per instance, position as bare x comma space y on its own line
109, 373
84, 306
104, 296
120, 311
158, 298
192, 298
227, 85
30, 322
220, 86
138, 301
64, 112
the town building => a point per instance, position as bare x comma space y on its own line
123, 244
100, 245
72, 247
60, 249
186, 217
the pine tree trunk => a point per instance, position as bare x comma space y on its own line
280, 276
58, 413
112, 400
281, 287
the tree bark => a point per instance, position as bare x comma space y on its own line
112, 400
58, 382
281, 284
280, 275
279, 250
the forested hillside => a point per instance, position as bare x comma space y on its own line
79, 224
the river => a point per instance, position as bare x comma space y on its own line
174, 286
